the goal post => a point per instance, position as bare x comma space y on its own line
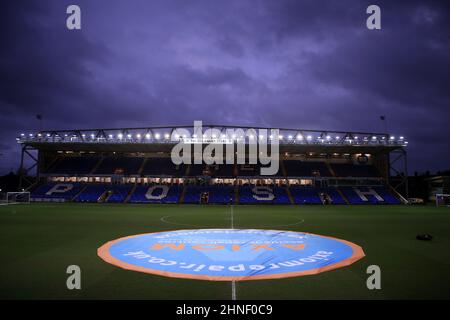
442, 200
17, 197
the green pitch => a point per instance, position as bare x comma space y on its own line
39, 241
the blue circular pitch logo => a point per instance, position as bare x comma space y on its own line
230, 254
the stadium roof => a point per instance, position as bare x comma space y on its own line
154, 139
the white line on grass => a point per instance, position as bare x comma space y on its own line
233, 283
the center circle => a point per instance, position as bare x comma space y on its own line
230, 254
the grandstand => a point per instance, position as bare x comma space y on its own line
133, 165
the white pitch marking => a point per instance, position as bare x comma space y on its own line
233, 283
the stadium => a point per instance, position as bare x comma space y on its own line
135, 166
239, 152
93, 186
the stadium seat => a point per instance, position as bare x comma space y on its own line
73, 165
163, 167
219, 194
297, 168
156, 194
63, 190
333, 193
111, 193
119, 165
305, 195
354, 170
263, 194
362, 195
387, 195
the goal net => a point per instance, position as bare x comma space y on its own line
17, 197
443, 200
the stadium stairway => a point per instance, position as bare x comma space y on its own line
141, 169
291, 198
236, 194
133, 189
97, 165
188, 170
333, 174
343, 196
81, 191
397, 194
283, 168
183, 192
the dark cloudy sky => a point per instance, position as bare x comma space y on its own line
301, 64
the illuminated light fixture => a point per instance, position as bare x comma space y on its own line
271, 137
356, 138
280, 137
22, 134
147, 136
309, 137
176, 136
328, 137
39, 135
233, 136
129, 136
48, 134
120, 136
31, 135
194, 136
261, 136
65, 135
138, 136
157, 136
167, 136
92, 136
111, 136
223, 136
251, 137
374, 138
213, 136
337, 137
290, 137
401, 138
392, 138
299, 137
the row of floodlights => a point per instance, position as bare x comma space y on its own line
166, 136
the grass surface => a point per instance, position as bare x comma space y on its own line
39, 241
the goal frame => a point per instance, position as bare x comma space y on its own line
9, 194
441, 195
